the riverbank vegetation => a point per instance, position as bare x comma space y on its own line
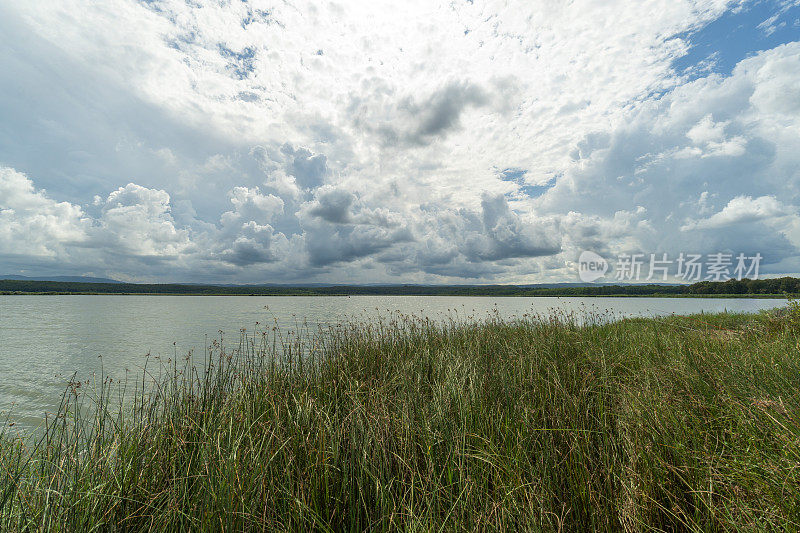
748, 288
558, 423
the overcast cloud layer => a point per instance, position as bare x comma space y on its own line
420, 141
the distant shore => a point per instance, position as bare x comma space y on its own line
764, 288
343, 295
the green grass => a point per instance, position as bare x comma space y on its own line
682, 423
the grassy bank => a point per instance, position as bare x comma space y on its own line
678, 423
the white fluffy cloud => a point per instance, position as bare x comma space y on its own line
134, 224
426, 141
742, 209
32, 224
714, 158
136, 220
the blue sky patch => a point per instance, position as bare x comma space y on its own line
517, 175
737, 34
240, 63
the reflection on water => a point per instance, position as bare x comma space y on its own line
45, 340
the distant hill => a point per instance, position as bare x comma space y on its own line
71, 279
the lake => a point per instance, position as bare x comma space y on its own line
44, 340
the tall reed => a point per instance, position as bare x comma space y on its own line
557, 423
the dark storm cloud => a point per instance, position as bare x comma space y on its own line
309, 170
333, 206
337, 244
508, 236
442, 111
415, 121
244, 253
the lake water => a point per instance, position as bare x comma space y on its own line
44, 340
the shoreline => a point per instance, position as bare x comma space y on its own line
764, 288
347, 295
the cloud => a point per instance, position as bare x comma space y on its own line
32, 224
442, 110
309, 170
338, 227
742, 209
136, 220
507, 236
245, 235
472, 243
134, 223
410, 120
251, 246
333, 206
249, 204
430, 142
715, 146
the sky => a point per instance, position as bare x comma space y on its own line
394, 142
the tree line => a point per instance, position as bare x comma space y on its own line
777, 286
